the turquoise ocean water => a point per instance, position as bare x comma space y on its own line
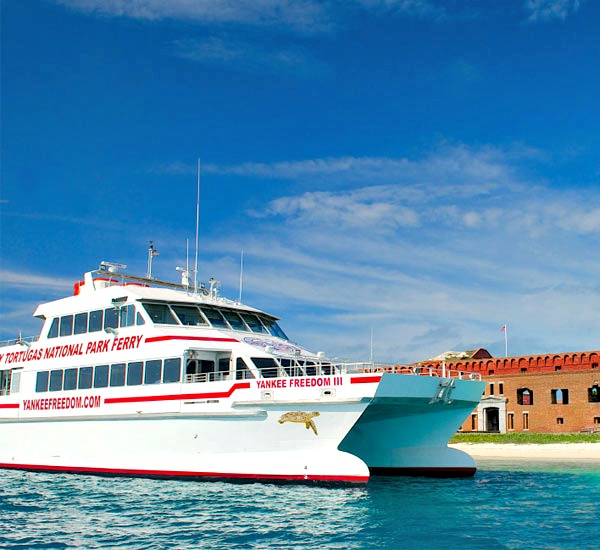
506, 505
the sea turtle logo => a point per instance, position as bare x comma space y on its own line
301, 417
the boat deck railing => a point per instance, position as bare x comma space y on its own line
24, 341
333, 369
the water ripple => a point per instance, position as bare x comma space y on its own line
505, 506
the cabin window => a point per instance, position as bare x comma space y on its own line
134, 373
127, 316
81, 323
85, 378
111, 318
274, 329
310, 368
189, 315
4, 382
95, 324
160, 314
70, 381
253, 322
101, 376
41, 383
215, 317
117, 375
53, 332
207, 367
224, 366
234, 320
172, 371
152, 371
66, 325
56, 380
242, 370
266, 366
139, 320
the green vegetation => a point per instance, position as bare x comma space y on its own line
526, 437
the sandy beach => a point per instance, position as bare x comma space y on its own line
551, 451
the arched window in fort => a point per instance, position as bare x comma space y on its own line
594, 394
560, 397
524, 396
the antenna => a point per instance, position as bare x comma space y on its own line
151, 253
241, 275
197, 225
371, 358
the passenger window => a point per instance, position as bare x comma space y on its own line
56, 379
41, 383
253, 322
266, 366
189, 315
224, 366
53, 332
234, 320
127, 316
117, 375
81, 323
274, 329
160, 314
172, 371
134, 373
242, 370
215, 318
95, 321
139, 320
70, 382
101, 376
111, 318
66, 325
152, 371
85, 378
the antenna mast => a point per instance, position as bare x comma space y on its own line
241, 275
152, 252
197, 225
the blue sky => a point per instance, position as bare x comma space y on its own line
426, 170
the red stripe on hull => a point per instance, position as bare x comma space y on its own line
365, 379
9, 406
183, 474
180, 396
193, 338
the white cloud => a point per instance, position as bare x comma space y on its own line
246, 56
546, 10
14, 279
301, 15
473, 170
413, 8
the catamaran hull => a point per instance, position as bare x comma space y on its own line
402, 432
250, 445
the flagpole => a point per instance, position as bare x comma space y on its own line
506, 340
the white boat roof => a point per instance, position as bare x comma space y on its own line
100, 291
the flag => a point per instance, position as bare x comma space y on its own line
503, 328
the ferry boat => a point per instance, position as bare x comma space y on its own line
140, 377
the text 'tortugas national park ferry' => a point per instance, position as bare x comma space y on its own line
134, 376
